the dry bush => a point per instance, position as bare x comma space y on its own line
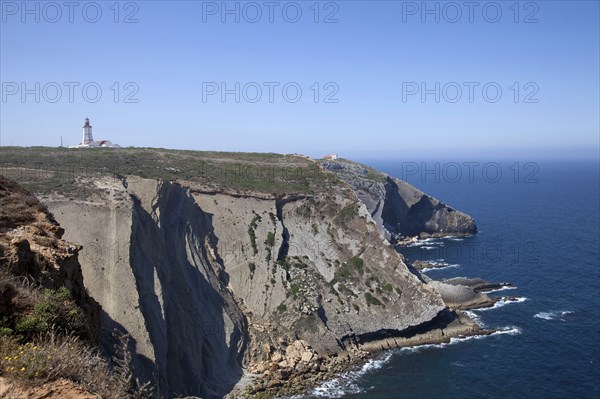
17, 205
54, 356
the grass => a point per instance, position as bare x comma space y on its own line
45, 169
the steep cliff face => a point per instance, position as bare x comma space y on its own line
203, 280
149, 253
400, 209
217, 264
327, 276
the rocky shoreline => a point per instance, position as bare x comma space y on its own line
295, 368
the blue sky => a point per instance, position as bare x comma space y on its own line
366, 66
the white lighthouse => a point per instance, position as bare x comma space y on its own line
87, 133
88, 139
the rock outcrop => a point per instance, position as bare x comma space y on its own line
203, 281
399, 209
31, 247
211, 281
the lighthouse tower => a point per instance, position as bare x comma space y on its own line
87, 133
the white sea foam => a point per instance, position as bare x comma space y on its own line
504, 288
438, 263
345, 383
439, 267
553, 315
428, 242
511, 330
419, 243
475, 317
505, 301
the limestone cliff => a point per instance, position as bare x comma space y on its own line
203, 280
399, 209
215, 272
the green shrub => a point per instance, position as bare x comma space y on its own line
315, 229
54, 308
345, 290
294, 289
270, 241
371, 300
357, 262
388, 287
284, 264
347, 213
252, 233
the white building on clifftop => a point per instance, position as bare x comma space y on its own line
88, 139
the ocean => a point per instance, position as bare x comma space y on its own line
538, 229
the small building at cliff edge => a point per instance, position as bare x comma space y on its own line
88, 139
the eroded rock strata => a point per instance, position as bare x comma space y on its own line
399, 209
215, 285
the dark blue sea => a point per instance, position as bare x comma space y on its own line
538, 229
